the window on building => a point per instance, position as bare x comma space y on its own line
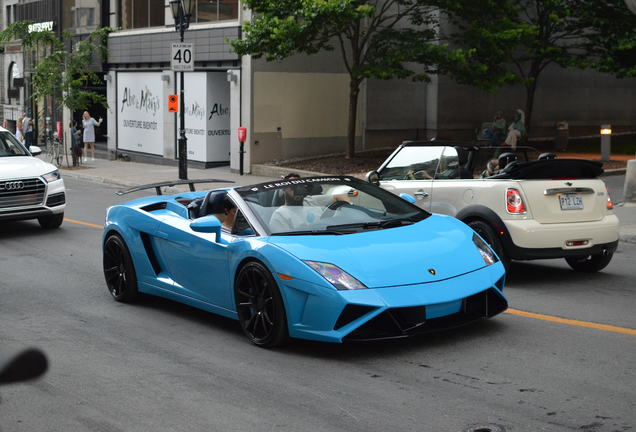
15, 81
141, 13
81, 16
216, 10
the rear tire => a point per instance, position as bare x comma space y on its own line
260, 307
590, 263
490, 237
119, 270
51, 221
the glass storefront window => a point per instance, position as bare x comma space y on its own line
216, 10
141, 13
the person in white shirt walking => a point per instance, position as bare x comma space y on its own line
89, 123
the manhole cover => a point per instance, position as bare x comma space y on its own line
485, 428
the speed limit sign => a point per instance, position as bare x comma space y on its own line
182, 57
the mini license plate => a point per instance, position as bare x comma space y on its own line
571, 202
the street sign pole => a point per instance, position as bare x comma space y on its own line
182, 60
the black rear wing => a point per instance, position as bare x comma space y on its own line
159, 185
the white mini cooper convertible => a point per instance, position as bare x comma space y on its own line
29, 188
525, 205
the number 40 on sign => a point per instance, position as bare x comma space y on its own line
182, 57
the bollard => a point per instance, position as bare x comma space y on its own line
606, 142
629, 192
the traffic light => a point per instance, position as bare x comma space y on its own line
173, 103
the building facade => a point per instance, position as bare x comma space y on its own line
79, 18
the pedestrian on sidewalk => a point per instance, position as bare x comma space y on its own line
89, 123
27, 129
517, 130
18, 128
76, 143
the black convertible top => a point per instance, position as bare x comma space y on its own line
552, 168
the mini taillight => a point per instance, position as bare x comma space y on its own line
514, 202
609, 205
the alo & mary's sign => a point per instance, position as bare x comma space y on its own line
140, 111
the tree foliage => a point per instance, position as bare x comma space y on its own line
63, 68
567, 33
380, 39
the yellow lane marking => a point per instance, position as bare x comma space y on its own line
84, 223
572, 322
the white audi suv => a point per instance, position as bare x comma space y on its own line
29, 187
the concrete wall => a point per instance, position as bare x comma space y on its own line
585, 99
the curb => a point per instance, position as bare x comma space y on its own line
627, 238
96, 179
276, 171
613, 172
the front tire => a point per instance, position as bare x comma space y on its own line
490, 237
590, 263
260, 307
51, 221
119, 270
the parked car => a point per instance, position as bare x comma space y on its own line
531, 207
29, 187
330, 259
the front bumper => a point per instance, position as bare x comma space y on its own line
53, 202
530, 239
397, 312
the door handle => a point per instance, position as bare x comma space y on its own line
421, 194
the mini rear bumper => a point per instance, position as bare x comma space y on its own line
530, 239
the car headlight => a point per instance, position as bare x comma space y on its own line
336, 276
486, 253
52, 176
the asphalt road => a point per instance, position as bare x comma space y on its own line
161, 366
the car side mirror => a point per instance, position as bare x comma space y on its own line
207, 224
408, 197
35, 150
373, 177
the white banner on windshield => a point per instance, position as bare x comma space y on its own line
140, 108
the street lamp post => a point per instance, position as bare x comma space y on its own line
181, 12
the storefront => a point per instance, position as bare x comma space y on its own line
143, 119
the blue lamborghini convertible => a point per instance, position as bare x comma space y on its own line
330, 259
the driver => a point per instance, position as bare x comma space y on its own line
300, 209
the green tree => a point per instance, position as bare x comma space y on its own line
376, 39
63, 69
567, 33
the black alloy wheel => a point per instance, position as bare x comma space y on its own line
260, 306
119, 271
590, 263
490, 237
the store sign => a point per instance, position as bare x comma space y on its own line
207, 116
140, 108
41, 26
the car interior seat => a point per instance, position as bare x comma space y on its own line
211, 204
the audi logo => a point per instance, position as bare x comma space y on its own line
12, 185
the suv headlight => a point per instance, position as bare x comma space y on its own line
52, 176
486, 253
336, 276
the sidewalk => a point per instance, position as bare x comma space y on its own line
130, 174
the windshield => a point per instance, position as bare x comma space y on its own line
9, 146
327, 205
